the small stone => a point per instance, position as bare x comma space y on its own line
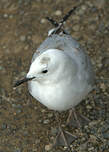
7, 51
76, 28
22, 74
50, 115
54, 131
91, 148
22, 38
99, 3
88, 107
105, 61
43, 20
75, 18
92, 27
11, 16
82, 10
4, 126
26, 47
29, 37
48, 147
89, 3
92, 123
58, 13
46, 121
5, 15
102, 86
18, 150
1, 68
92, 138
84, 7
106, 135
18, 111
43, 110
40, 121
4, 46
35, 108
17, 106
83, 147
37, 141
25, 133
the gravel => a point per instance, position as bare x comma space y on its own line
25, 124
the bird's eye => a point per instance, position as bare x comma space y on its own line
44, 71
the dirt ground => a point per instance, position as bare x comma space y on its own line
25, 124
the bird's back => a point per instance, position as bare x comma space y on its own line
73, 49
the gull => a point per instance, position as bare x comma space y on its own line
60, 75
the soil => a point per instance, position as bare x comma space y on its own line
25, 124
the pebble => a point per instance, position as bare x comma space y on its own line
82, 10
29, 37
54, 131
4, 46
48, 147
22, 38
101, 27
11, 16
43, 20
43, 110
22, 74
105, 61
1, 68
88, 107
91, 148
105, 131
50, 115
97, 124
4, 126
76, 28
106, 135
26, 47
75, 18
5, 15
7, 51
37, 141
102, 86
46, 121
89, 3
84, 7
93, 138
83, 147
99, 3
18, 111
92, 123
92, 27
17, 105
18, 150
40, 121
58, 13
25, 133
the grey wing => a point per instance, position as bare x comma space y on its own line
56, 42
67, 44
35, 55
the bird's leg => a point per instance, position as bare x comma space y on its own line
72, 117
78, 118
69, 117
63, 138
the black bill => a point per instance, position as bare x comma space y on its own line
19, 82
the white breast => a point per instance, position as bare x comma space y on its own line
61, 96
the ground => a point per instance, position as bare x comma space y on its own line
25, 124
